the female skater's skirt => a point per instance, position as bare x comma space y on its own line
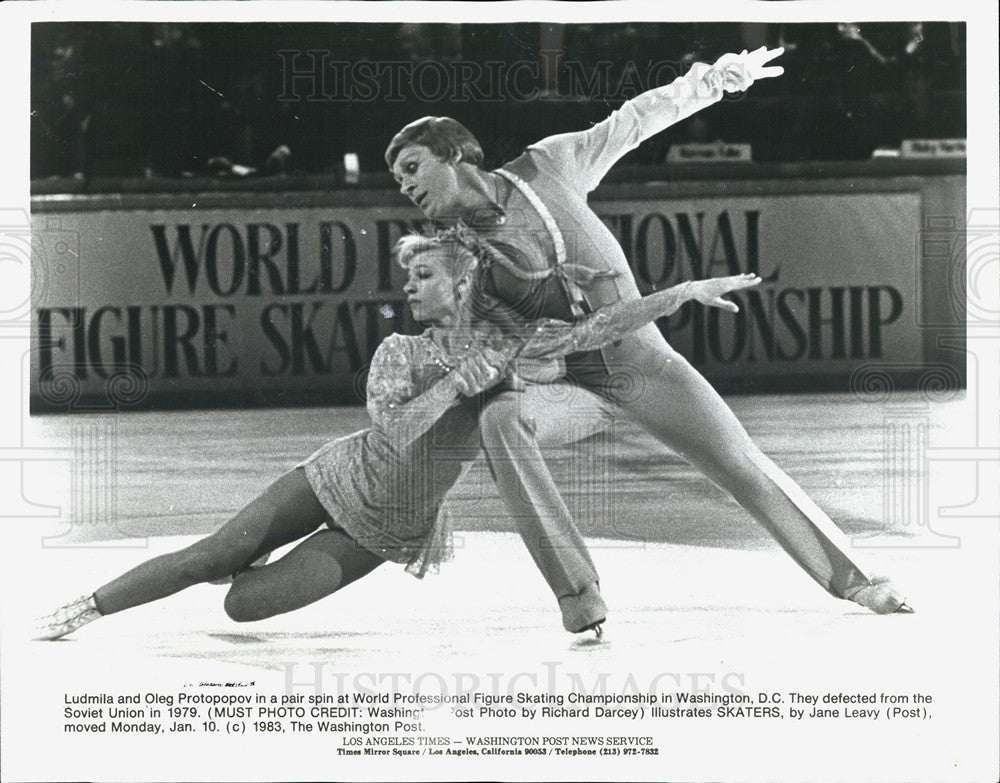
388, 500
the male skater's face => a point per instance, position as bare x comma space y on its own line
429, 182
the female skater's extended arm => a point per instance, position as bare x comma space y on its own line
614, 321
405, 417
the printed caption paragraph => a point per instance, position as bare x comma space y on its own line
401, 724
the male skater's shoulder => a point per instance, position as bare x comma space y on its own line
581, 159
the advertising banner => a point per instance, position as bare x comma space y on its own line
840, 278
235, 305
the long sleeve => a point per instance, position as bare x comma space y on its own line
584, 157
552, 338
393, 402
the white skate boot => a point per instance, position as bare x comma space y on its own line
67, 618
882, 597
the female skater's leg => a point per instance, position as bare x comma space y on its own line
286, 511
319, 566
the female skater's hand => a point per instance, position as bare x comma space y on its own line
479, 372
709, 292
739, 71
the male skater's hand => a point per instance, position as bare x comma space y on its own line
738, 71
479, 371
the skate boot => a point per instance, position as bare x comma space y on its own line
882, 597
585, 611
67, 618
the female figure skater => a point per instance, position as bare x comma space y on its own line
567, 263
377, 493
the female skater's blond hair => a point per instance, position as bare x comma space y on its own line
464, 250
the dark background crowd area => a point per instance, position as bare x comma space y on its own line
165, 101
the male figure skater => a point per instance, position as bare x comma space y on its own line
564, 263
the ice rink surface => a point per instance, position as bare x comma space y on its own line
700, 600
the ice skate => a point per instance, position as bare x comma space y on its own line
597, 628
584, 611
882, 597
67, 618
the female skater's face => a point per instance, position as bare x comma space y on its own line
429, 182
431, 291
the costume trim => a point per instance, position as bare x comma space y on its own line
573, 292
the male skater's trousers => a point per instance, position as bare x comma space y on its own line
664, 394
561, 255
519, 430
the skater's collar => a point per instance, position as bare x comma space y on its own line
495, 192
452, 339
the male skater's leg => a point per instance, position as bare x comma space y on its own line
511, 426
673, 402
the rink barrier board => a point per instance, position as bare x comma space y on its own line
128, 313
